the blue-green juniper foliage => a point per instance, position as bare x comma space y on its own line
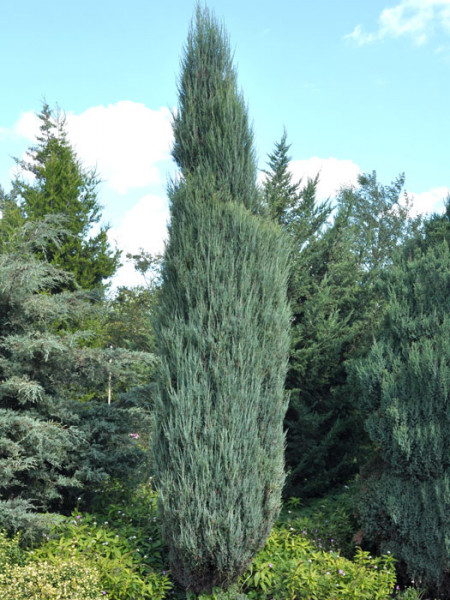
405, 396
223, 339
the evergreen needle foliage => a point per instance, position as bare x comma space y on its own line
54, 446
405, 395
335, 266
223, 342
211, 129
61, 186
223, 339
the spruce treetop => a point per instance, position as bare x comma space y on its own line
62, 186
280, 192
290, 203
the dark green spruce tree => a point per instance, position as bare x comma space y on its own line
404, 392
320, 442
336, 304
62, 186
291, 204
11, 217
223, 334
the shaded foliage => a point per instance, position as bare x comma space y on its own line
336, 305
52, 445
404, 386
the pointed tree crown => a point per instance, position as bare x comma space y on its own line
211, 127
62, 186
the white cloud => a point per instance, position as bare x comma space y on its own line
143, 226
415, 18
27, 126
431, 201
334, 173
360, 37
125, 141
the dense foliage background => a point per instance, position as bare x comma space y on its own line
183, 383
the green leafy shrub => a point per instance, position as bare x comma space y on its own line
124, 546
10, 551
329, 522
410, 594
218, 594
70, 579
135, 517
291, 567
22, 577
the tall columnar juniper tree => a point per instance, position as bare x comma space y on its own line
223, 337
405, 397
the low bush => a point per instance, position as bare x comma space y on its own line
231, 594
23, 578
329, 522
410, 594
292, 567
119, 555
125, 548
69, 579
10, 551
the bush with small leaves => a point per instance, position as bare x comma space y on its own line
69, 579
135, 517
412, 593
329, 522
125, 547
218, 594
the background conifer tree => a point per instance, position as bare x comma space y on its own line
54, 444
335, 325
404, 390
222, 332
291, 204
335, 266
61, 185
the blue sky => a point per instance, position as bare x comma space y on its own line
359, 86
